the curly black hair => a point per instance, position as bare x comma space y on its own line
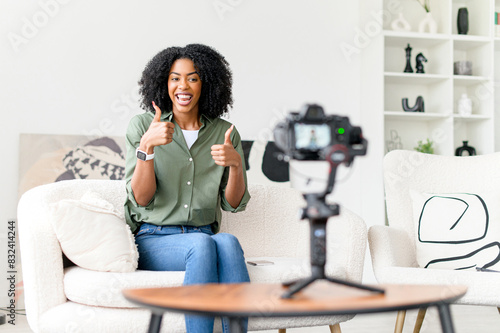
216, 77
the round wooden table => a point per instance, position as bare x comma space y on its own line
238, 301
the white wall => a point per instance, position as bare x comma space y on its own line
71, 67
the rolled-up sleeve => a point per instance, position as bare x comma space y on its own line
133, 136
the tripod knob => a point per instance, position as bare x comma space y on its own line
310, 212
318, 246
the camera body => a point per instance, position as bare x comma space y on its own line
311, 135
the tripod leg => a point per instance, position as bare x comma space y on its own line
289, 283
299, 285
356, 285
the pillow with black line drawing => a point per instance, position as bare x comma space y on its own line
457, 230
93, 234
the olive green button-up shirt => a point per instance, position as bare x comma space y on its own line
190, 187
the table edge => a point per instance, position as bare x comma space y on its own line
162, 309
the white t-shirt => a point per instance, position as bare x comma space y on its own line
190, 137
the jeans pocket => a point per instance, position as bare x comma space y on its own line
206, 229
146, 229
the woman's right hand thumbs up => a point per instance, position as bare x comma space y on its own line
159, 132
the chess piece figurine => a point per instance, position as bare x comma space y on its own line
419, 59
408, 68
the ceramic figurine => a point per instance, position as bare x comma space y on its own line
428, 24
464, 106
394, 142
418, 107
465, 150
463, 21
400, 24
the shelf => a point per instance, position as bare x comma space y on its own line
413, 78
466, 42
470, 80
421, 116
395, 38
460, 41
472, 117
438, 86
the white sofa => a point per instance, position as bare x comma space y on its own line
62, 297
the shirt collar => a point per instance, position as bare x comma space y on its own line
167, 116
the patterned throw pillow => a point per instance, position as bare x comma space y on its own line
457, 230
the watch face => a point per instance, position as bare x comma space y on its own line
141, 155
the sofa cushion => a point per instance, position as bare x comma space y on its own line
457, 230
93, 234
94, 288
476, 282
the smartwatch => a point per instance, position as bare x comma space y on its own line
143, 156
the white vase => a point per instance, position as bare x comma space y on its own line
464, 106
400, 24
428, 24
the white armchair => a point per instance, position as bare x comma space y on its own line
396, 249
69, 298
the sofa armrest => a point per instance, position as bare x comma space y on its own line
41, 256
390, 247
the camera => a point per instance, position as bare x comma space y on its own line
312, 135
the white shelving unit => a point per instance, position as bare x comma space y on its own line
438, 86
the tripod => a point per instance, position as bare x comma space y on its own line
318, 212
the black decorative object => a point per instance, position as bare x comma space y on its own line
463, 21
408, 68
465, 150
418, 107
247, 147
419, 59
274, 169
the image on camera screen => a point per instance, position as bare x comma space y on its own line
311, 136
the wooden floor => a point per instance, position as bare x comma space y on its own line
466, 318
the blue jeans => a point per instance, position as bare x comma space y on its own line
206, 258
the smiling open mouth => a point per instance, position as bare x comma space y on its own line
184, 99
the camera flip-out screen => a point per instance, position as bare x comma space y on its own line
312, 136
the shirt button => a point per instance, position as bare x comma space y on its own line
190, 159
185, 206
189, 183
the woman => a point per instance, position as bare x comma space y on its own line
184, 163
